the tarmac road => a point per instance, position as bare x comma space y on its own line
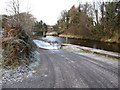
63, 69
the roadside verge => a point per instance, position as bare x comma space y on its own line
76, 48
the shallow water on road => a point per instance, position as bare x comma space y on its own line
87, 43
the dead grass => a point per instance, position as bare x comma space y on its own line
16, 47
69, 48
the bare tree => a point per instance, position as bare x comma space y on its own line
19, 20
13, 10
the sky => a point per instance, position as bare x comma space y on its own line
47, 10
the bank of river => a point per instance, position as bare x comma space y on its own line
76, 48
104, 39
113, 47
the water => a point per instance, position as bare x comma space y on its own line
53, 38
47, 44
88, 43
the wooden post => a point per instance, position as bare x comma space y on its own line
44, 34
66, 38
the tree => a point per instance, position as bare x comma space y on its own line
14, 10
19, 20
0, 22
118, 13
99, 21
63, 22
40, 28
27, 22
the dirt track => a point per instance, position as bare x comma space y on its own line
63, 69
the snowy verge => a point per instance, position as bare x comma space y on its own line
77, 48
19, 73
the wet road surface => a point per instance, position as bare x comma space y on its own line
63, 69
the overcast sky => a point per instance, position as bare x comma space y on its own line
46, 10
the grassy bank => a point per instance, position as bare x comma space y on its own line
75, 48
108, 40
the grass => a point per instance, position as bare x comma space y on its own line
87, 51
103, 55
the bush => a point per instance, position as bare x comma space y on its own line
16, 47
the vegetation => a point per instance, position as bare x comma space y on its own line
73, 48
0, 22
97, 21
16, 41
40, 28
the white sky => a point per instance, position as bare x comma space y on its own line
46, 10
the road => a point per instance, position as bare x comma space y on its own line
63, 69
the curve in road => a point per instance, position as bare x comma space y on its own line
63, 69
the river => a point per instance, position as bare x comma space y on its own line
88, 43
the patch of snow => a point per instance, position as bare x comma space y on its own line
96, 57
19, 73
45, 75
72, 47
29, 74
14, 74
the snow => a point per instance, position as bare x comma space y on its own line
76, 48
99, 58
45, 75
19, 73
47, 45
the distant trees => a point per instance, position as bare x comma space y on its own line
118, 13
76, 21
64, 21
99, 21
40, 28
108, 26
0, 22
